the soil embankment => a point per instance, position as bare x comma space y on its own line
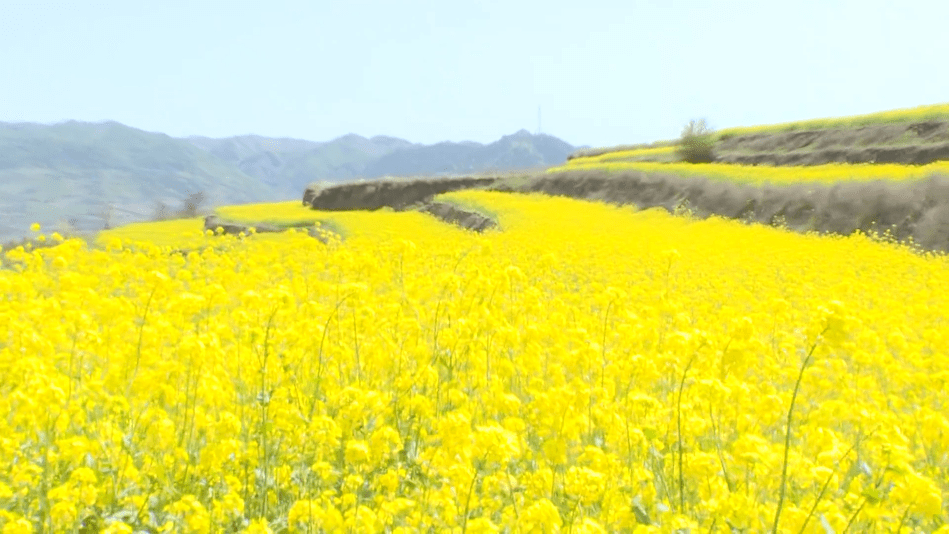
917, 210
451, 214
403, 196
376, 195
915, 143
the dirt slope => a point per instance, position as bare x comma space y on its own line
916, 143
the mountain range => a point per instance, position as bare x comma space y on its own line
81, 176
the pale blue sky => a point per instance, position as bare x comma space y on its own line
603, 72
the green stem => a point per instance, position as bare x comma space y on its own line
722, 460
356, 350
264, 400
138, 348
468, 501
854, 516
788, 432
323, 338
903, 518
824, 488
679, 434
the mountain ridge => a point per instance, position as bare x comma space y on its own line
74, 170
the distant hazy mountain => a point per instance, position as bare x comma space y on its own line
74, 171
520, 150
288, 165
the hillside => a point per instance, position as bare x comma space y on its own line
906, 201
74, 176
73, 171
915, 136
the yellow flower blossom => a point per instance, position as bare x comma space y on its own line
589, 526
63, 515
258, 526
587, 368
18, 526
357, 452
117, 527
482, 525
542, 517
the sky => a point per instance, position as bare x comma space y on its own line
601, 73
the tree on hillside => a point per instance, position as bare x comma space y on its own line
161, 211
192, 204
696, 143
106, 215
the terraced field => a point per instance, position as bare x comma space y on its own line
879, 174
583, 367
661, 356
779, 175
910, 136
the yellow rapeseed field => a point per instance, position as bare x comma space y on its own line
587, 368
828, 173
625, 155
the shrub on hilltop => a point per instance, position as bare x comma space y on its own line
696, 143
191, 207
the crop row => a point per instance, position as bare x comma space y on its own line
829, 173
937, 112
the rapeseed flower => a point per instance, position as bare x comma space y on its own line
258, 526
542, 517
117, 527
588, 368
17, 526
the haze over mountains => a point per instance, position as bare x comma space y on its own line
87, 173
